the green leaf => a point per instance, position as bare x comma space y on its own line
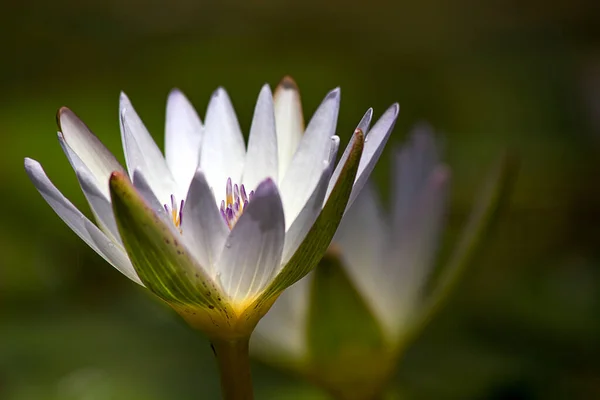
489, 202
318, 238
347, 349
160, 259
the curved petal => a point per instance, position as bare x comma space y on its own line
143, 187
96, 198
142, 153
261, 158
223, 151
413, 164
289, 121
306, 218
88, 148
183, 138
202, 225
253, 249
363, 239
99, 204
305, 169
375, 141
363, 126
404, 273
112, 252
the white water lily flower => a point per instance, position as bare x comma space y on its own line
215, 228
345, 324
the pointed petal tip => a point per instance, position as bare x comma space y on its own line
266, 187
62, 113
288, 83
396, 108
174, 93
266, 88
124, 100
219, 91
335, 93
30, 163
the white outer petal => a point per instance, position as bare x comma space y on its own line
95, 196
141, 184
362, 239
88, 148
100, 205
289, 121
413, 164
112, 252
203, 227
223, 151
261, 157
305, 170
375, 141
363, 125
142, 153
252, 252
412, 251
307, 217
183, 138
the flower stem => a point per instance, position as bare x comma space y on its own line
233, 360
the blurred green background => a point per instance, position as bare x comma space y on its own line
525, 322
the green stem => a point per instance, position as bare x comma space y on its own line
233, 360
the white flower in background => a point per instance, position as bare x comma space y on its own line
216, 228
345, 324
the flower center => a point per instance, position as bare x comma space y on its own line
235, 202
176, 211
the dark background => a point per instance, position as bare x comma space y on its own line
524, 323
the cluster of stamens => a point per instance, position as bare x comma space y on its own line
176, 211
235, 202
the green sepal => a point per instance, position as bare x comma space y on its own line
347, 350
161, 261
319, 236
488, 205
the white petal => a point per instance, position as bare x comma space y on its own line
100, 205
363, 125
143, 187
142, 153
281, 334
305, 170
261, 158
375, 141
183, 138
98, 201
202, 225
83, 227
98, 159
335, 146
253, 249
413, 165
363, 239
413, 249
306, 218
223, 151
289, 121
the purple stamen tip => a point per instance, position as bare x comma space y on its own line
243, 193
